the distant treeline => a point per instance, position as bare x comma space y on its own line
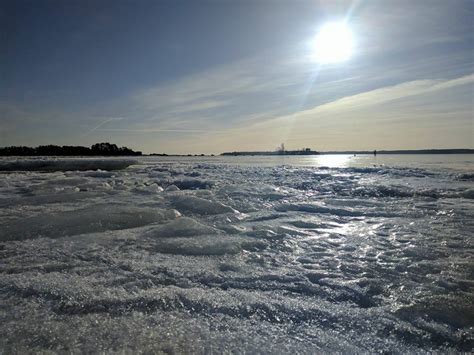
99, 149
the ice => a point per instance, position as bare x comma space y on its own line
199, 205
96, 218
203, 245
65, 164
317, 208
465, 176
181, 227
468, 193
171, 188
189, 237
99, 174
149, 189
240, 258
193, 184
45, 199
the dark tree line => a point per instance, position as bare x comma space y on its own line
98, 149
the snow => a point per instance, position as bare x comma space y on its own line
229, 256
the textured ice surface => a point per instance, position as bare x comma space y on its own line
195, 256
94, 218
199, 205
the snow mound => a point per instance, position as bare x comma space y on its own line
66, 164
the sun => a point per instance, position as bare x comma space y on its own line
333, 43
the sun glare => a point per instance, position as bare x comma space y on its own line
333, 43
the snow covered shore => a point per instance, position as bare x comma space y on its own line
201, 257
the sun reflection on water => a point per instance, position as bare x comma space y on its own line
333, 161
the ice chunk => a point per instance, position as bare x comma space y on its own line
468, 193
149, 189
171, 188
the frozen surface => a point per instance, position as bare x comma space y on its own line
64, 164
202, 256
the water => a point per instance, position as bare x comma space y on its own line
240, 254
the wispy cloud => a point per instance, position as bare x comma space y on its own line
387, 94
111, 119
154, 130
420, 113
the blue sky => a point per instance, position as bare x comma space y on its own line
213, 76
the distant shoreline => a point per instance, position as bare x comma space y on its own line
286, 152
361, 152
409, 151
111, 150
